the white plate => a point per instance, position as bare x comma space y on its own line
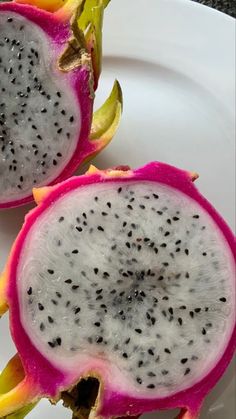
175, 61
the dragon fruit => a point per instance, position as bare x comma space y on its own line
50, 62
121, 291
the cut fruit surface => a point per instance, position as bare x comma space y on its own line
125, 274
47, 95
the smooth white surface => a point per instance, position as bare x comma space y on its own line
175, 60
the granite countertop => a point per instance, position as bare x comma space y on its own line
226, 6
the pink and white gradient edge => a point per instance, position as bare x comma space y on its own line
79, 79
113, 402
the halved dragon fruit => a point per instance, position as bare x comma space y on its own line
50, 64
121, 291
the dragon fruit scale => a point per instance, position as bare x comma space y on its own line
50, 62
121, 292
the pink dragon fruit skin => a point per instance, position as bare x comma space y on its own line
44, 380
57, 27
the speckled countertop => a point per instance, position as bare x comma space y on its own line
226, 6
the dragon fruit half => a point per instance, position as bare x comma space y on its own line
50, 62
121, 291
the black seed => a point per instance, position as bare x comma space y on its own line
222, 299
54, 302
171, 310
142, 206
77, 310
167, 351
125, 355
40, 306
182, 307
96, 271
204, 331
204, 254
191, 313
74, 287
155, 196
99, 291
197, 310
161, 278
51, 344
187, 371
151, 386
42, 327
58, 341
187, 252
50, 271
97, 324
138, 331
50, 319
150, 351
99, 339
127, 341
68, 281
109, 204
151, 374
175, 218
195, 216
139, 381
100, 228
180, 321
164, 372
119, 190
29, 292
79, 229
184, 360
75, 251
